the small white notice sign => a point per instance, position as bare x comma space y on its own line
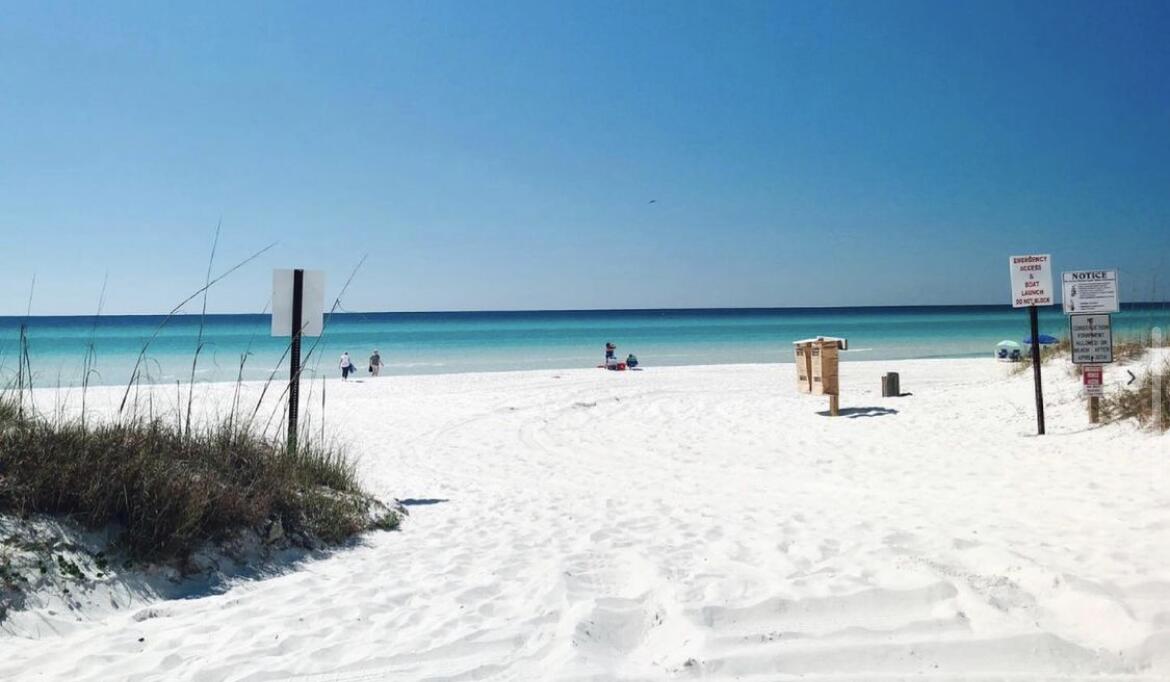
312, 303
1092, 339
1089, 291
1031, 280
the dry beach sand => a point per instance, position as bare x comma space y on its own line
690, 522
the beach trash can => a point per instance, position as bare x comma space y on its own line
891, 385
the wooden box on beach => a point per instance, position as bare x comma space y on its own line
816, 365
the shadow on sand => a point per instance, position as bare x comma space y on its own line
855, 412
421, 501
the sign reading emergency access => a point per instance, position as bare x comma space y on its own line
1089, 291
1094, 378
1092, 339
1031, 280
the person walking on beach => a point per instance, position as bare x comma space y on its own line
346, 366
375, 363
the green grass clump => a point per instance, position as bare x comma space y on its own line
1047, 353
1147, 401
1126, 349
172, 491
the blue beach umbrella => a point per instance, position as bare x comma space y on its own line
1045, 340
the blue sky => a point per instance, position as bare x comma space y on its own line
503, 155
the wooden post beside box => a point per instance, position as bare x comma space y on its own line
803, 368
816, 367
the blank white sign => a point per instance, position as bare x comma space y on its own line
312, 303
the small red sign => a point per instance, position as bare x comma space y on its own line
1094, 378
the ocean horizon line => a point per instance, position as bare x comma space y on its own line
520, 311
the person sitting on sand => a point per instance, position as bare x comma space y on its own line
346, 366
631, 361
375, 363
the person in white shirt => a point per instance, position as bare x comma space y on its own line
346, 366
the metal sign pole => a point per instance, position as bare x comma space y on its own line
294, 365
1034, 318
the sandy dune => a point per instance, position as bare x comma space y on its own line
688, 522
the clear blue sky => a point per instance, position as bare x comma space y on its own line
502, 155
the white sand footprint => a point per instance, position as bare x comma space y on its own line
610, 603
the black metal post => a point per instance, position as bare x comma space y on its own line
294, 365
1034, 318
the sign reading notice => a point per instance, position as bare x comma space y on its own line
1094, 377
1089, 291
1092, 339
1031, 280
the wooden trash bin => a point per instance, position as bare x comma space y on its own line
816, 367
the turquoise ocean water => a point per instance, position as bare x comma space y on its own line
420, 343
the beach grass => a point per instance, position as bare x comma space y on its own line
1126, 349
171, 488
1146, 401
1059, 349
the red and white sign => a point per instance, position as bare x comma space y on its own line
1031, 280
1094, 378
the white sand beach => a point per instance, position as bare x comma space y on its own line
689, 522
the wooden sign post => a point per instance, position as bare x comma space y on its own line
1093, 377
1092, 346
